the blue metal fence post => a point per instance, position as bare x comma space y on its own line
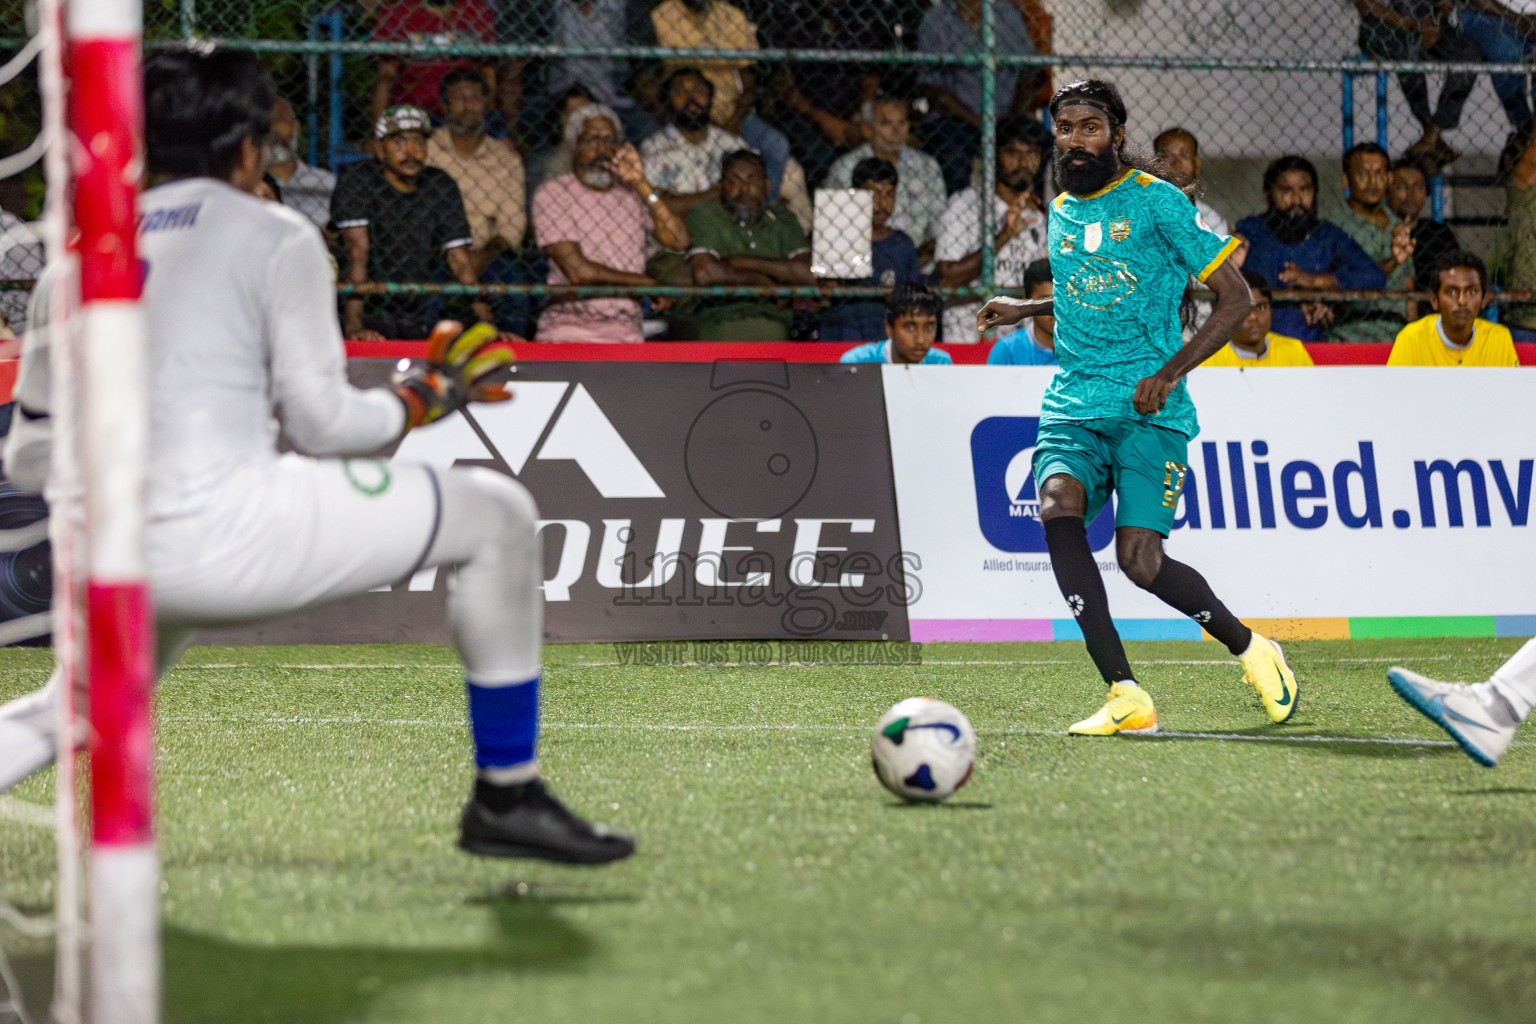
312, 115
1381, 109
1347, 92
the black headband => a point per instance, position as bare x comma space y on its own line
1087, 101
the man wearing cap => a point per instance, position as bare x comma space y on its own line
398, 220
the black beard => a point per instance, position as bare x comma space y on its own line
1020, 182
1288, 228
1088, 178
691, 120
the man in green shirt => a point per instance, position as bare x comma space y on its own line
1117, 417
739, 239
1370, 221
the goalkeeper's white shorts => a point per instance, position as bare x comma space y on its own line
289, 534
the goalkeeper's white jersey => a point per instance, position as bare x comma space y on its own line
240, 309
241, 328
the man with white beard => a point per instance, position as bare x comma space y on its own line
593, 224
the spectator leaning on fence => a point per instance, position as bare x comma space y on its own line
305, 189
952, 129
1513, 260
593, 224
920, 195
1418, 30
911, 316
1253, 344
1034, 344
1291, 247
1406, 196
1454, 335
1368, 219
414, 83
399, 219
894, 257
1021, 234
683, 159
739, 239
708, 25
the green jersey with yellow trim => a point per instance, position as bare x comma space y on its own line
1120, 259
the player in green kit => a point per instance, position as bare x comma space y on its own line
1117, 417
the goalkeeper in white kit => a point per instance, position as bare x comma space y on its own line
240, 310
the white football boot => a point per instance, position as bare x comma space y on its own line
1475, 715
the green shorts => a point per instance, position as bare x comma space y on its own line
1142, 464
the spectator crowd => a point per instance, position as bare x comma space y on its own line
606, 178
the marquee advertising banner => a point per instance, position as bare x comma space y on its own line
1339, 502
680, 501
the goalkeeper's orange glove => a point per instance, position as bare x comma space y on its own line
454, 372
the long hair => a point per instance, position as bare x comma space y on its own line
199, 106
1106, 97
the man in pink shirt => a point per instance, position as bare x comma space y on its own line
595, 233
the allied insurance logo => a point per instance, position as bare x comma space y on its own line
1007, 500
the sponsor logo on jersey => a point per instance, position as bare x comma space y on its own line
175, 218
1119, 230
1007, 500
1093, 236
1068, 243
1100, 283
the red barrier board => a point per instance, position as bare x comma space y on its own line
1324, 353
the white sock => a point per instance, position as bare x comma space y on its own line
513, 776
1515, 680
1256, 644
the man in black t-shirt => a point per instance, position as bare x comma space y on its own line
399, 220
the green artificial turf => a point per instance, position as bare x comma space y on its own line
307, 818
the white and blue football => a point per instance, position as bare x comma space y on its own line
923, 749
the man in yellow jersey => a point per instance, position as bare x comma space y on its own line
1254, 344
1454, 335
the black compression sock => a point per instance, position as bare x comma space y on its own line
1183, 588
1078, 577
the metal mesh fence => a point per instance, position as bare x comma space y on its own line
515, 194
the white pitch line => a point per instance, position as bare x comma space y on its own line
24, 812
1233, 737
365, 667
359, 665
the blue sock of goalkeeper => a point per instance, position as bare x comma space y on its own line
496, 614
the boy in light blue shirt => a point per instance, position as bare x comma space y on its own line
1035, 343
911, 323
